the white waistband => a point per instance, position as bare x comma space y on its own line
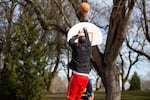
83, 74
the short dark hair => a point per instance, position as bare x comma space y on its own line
82, 39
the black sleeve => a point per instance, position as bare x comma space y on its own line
72, 40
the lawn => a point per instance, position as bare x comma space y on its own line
128, 95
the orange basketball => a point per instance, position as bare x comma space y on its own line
84, 7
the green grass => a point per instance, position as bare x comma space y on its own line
127, 95
135, 95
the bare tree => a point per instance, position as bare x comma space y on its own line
144, 26
105, 62
146, 21
132, 62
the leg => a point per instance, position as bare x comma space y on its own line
82, 83
72, 88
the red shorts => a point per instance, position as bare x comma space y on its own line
76, 86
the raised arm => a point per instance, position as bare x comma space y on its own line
86, 34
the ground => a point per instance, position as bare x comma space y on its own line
128, 95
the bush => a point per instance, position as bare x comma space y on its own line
23, 87
135, 82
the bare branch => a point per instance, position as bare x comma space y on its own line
146, 32
138, 51
63, 14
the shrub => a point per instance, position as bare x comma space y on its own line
135, 82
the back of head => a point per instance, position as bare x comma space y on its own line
82, 39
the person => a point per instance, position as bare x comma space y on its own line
81, 52
88, 93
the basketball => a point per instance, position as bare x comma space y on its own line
84, 7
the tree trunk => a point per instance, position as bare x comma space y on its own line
108, 75
112, 88
123, 84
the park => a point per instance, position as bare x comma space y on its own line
34, 49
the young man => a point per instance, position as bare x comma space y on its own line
88, 93
81, 52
